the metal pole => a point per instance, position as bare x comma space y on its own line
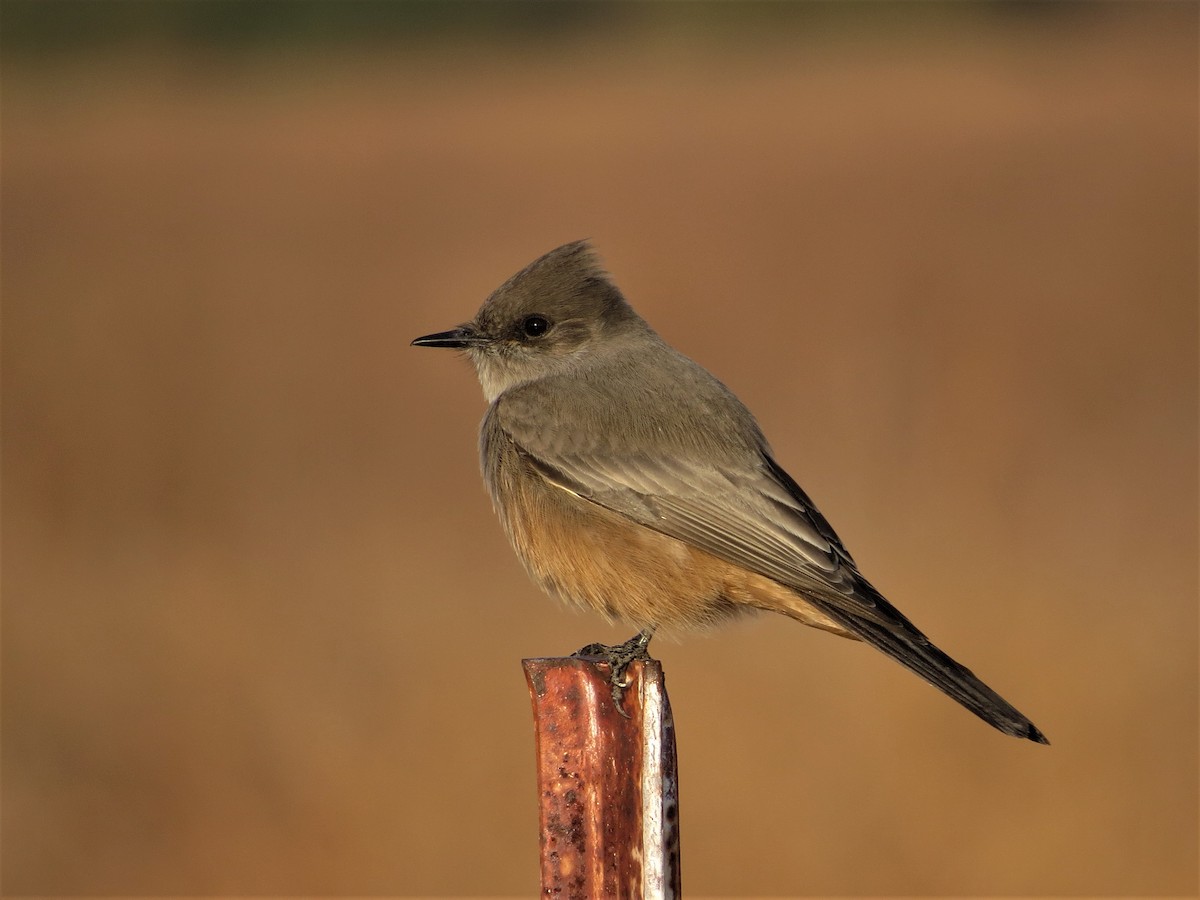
607, 785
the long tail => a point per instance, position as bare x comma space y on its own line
904, 643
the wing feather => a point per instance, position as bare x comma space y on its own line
731, 499
747, 516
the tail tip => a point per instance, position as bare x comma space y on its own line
1032, 733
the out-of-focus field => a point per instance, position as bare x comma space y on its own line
261, 633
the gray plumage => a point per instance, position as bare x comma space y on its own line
597, 427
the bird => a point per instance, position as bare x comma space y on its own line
630, 481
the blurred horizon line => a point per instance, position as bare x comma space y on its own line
37, 28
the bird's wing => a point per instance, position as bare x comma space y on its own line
747, 511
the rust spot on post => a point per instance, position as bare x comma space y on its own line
607, 785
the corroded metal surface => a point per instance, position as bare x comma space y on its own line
607, 785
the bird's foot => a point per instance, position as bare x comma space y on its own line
619, 656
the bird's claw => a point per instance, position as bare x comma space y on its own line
619, 657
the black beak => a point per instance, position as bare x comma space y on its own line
457, 339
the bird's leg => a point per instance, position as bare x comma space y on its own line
619, 656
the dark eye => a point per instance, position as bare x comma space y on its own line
535, 326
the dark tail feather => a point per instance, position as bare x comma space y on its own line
914, 651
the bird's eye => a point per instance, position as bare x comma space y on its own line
535, 326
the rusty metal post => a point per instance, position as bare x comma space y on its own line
607, 784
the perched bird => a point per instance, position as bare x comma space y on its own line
632, 482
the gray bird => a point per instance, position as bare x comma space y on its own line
632, 482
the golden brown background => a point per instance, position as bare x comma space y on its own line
261, 634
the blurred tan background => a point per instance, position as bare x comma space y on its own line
261, 633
